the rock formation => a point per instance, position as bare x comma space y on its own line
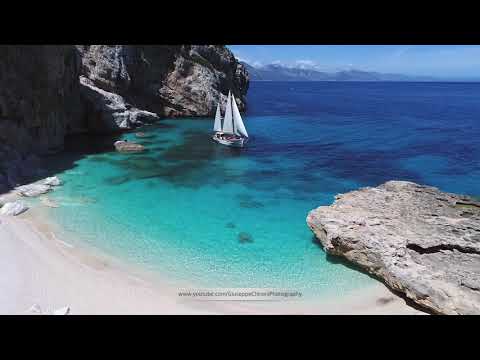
170, 81
127, 146
13, 208
420, 241
109, 112
39, 96
33, 190
52, 181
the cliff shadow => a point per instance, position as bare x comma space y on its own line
34, 168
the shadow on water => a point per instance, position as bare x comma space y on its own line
298, 168
182, 164
76, 147
192, 163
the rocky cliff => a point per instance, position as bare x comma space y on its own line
417, 239
39, 96
168, 80
47, 92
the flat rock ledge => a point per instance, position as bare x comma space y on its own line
419, 240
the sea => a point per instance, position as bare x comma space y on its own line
211, 216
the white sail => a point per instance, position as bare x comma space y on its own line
228, 119
218, 120
237, 120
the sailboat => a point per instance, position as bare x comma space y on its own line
232, 131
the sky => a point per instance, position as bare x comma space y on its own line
461, 61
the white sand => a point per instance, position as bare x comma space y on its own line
38, 268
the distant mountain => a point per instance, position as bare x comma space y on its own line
275, 72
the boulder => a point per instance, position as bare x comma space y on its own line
420, 241
13, 208
32, 190
127, 146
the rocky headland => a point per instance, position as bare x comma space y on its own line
420, 241
48, 92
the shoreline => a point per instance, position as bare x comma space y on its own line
44, 271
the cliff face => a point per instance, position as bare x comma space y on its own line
47, 92
39, 96
166, 80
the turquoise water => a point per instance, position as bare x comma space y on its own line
183, 207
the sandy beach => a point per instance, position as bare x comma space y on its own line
42, 271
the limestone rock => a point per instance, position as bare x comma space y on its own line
110, 112
13, 208
32, 190
181, 80
52, 181
417, 239
127, 146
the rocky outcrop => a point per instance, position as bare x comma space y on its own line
109, 112
52, 181
420, 241
38, 188
13, 208
33, 190
169, 80
127, 146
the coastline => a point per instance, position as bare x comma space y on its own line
44, 271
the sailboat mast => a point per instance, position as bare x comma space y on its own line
233, 122
228, 119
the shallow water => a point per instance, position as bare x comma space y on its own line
219, 217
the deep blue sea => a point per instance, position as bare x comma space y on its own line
182, 207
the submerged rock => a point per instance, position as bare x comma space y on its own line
48, 202
142, 135
230, 225
32, 190
126, 146
245, 237
251, 204
13, 208
420, 241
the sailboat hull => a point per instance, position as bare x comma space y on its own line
239, 142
